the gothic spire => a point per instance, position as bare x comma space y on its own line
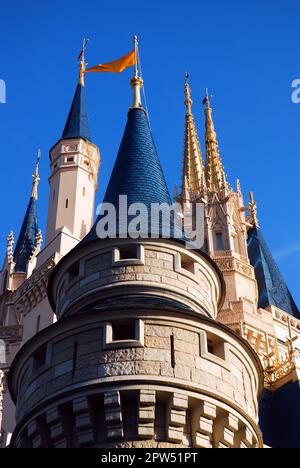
26, 243
214, 171
36, 178
192, 158
77, 125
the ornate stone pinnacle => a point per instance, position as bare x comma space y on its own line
214, 171
36, 178
192, 158
253, 211
10, 247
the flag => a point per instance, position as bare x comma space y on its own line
117, 66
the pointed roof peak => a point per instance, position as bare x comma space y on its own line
187, 91
207, 98
137, 172
36, 178
77, 125
192, 158
82, 63
209, 124
27, 239
214, 170
272, 288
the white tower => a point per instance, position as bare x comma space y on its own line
75, 163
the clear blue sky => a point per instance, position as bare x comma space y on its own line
246, 52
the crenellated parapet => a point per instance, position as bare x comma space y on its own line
186, 382
145, 268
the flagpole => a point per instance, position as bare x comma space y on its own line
82, 64
136, 56
136, 82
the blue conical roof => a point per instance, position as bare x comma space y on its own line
137, 172
27, 238
77, 125
271, 285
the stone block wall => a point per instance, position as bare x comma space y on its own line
164, 268
190, 383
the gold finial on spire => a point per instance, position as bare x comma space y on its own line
136, 56
136, 82
82, 62
192, 159
36, 178
188, 100
214, 171
253, 211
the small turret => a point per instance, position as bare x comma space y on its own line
26, 243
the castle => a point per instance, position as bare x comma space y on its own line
141, 342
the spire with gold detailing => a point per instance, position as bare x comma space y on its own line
192, 159
36, 178
77, 125
136, 82
214, 171
82, 62
27, 241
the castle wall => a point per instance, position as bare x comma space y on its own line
136, 358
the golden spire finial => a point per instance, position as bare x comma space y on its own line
192, 159
253, 211
36, 179
82, 62
187, 91
136, 82
214, 171
209, 124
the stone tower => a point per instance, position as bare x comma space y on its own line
24, 305
73, 181
136, 357
258, 304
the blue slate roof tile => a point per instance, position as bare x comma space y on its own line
271, 285
137, 172
77, 125
27, 238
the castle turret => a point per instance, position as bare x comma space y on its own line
29, 240
75, 163
26, 242
225, 222
136, 358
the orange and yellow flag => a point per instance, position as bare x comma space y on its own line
129, 60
